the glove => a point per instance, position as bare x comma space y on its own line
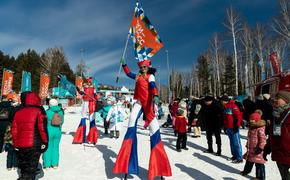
258, 150
236, 127
43, 148
123, 61
156, 100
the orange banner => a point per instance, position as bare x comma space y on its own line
7, 82
79, 83
44, 85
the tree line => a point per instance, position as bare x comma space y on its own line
237, 58
53, 61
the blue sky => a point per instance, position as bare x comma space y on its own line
100, 27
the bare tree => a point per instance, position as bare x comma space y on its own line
281, 24
81, 68
233, 25
260, 46
215, 47
52, 61
247, 42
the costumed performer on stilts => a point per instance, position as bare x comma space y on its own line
88, 112
146, 96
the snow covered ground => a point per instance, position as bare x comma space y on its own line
81, 162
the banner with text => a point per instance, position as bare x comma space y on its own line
7, 82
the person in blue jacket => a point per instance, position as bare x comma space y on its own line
51, 156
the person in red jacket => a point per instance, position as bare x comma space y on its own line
181, 128
29, 134
232, 123
279, 139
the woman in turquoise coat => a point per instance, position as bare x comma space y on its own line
51, 156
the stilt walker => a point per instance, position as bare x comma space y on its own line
88, 112
146, 44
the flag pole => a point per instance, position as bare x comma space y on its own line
123, 56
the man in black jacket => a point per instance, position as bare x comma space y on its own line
213, 116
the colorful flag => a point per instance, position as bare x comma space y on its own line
79, 83
67, 85
7, 82
44, 85
26, 81
275, 62
145, 38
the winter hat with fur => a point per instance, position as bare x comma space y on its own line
53, 102
285, 95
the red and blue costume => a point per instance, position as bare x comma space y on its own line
88, 112
127, 159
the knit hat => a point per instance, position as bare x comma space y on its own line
225, 98
208, 98
180, 111
53, 102
255, 116
182, 105
260, 97
285, 95
267, 96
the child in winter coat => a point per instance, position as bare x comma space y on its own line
115, 116
104, 112
255, 146
181, 128
11, 153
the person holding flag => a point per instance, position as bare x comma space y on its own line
88, 112
146, 44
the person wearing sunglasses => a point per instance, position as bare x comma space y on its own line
146, 96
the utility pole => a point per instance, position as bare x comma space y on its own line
168, 78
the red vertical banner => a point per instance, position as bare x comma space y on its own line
79, 83
7, 82
275, 62
44, 85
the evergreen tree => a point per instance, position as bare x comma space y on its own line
229, 77
30, 62
203, 74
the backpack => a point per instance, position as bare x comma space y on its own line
56, 119
4, 114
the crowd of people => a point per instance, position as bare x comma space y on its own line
29, 130
267, 119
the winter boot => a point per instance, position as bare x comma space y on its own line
209, 150
111, 134
117, 134
219, 150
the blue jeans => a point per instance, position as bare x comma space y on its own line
235, 142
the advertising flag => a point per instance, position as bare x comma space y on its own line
67, 85
145, 38
275, 62
44, 85
7, 82
79, 83
26, 81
